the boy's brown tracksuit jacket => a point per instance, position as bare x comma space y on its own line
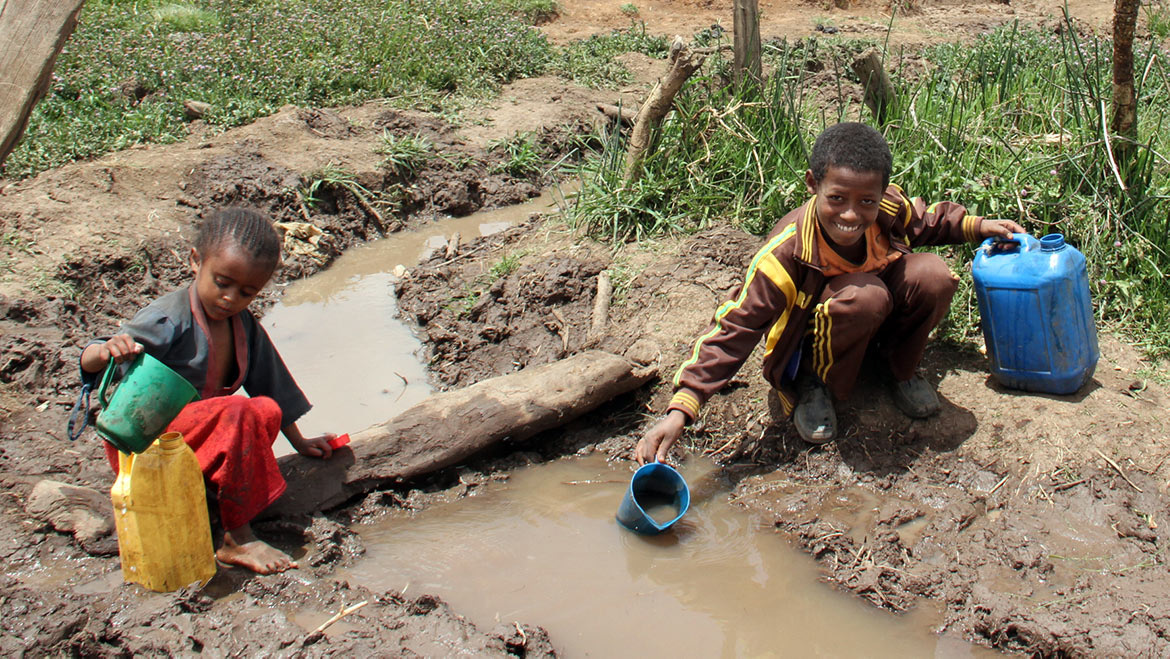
782, 284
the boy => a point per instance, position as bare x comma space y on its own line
835, 275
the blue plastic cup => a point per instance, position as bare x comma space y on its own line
653, 486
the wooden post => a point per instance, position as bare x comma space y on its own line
683, 62
1124, 120
879, 93
32, 33
746, 33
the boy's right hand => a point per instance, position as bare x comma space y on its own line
119, 348
655, 445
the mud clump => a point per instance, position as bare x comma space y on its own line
479, 324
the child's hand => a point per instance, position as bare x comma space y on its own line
655, 444
314, 447
119, 348
990, 228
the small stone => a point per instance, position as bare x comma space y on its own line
82, 511
195, 109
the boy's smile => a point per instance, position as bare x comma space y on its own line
846, 202
227, 280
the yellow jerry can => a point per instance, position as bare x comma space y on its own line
160, 510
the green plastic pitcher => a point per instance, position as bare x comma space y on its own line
146, 400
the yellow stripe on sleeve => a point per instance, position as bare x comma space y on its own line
687, 401
764, 261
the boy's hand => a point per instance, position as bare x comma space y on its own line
656, 443
990, 228
119, 348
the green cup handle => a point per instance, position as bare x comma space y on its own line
106, 377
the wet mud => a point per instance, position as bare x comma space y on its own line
1004, 509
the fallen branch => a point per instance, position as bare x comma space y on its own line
601, 304
447, 428
624, 115
1118, 469
337, 616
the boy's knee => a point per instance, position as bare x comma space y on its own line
868, 305
930, 275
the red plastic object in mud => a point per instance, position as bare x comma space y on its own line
339, 441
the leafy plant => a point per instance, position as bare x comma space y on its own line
629, 9
521, 157
405, 155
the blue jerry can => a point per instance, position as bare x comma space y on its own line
1036, 314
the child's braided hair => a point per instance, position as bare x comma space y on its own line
245, 228
852, 146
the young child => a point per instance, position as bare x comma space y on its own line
834, 276
206, 334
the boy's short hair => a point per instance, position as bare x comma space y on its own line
248, 229
853, 146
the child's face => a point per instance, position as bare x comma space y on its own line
227, 280
847, 202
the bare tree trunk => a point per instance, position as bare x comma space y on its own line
683, 62
879, 93
746, 29
32, 33
447, 428
1124, 121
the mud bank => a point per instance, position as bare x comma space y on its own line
81, 260
1034, 520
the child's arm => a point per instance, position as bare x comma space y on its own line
316, 447
119, 347
941, 223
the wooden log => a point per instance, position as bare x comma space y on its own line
746, 36
601, 305
683, 62
879, 92
447, 428
626, 116
32, 33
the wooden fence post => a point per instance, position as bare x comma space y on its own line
32, 33
746, 33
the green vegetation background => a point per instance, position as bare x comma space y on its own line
1012, 126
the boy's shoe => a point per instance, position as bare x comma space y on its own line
916, 398
815, 418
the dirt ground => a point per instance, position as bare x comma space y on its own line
1034, 519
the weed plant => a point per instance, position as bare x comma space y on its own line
1011, 126
123, 76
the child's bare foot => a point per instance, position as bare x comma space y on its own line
241, 547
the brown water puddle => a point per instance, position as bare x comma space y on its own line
339, 333
544, 548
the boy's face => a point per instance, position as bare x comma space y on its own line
847, 202
227, 280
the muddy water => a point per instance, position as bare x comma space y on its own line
338, 331
544, 548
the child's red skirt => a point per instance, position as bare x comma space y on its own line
232, 438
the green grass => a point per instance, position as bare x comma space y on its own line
406, 154
521, 157
248, 58
1010, 126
